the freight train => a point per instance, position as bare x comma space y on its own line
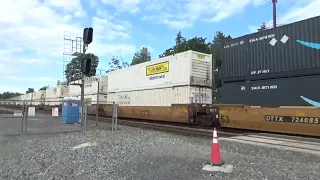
174, 88
258, 91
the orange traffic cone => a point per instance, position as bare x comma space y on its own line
215, 150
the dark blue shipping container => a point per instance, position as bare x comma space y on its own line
70, 111
286, 51
297, 91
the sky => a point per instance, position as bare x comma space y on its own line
32, 31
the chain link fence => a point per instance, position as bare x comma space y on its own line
104, 111
41, 116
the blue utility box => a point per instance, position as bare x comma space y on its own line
70, 110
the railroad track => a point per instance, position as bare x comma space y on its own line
309, 145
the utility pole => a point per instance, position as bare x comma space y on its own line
274, 2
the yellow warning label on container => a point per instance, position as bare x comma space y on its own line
157, 68
200, 56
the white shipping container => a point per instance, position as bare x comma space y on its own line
102, 98
37, 102
39, 95
23, 97
187, 68
163, 96
14, 100
56, 92
53, 101
90, 87
74, 90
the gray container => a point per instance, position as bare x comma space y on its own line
288, 50
272, 92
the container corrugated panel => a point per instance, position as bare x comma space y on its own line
273, 92
59, 91
268, 54
53, 101
163, 96
39, 95
23, 96
91, 87
28, 96
93, 97
74, 90
187, 68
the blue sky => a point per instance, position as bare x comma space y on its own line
32, 31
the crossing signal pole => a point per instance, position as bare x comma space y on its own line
85, 66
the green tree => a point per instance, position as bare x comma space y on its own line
73, 69
219, 39
182, 44
58, 83
30, 90
116, 63
141, 56
44, 88
8, 95
167, 52
217, 42
262, 27
180, 39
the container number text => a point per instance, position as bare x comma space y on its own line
225, 119
292, 119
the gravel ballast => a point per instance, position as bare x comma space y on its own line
133, 153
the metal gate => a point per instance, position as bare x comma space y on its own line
11, 117
52, 116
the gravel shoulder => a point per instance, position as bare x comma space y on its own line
133, 153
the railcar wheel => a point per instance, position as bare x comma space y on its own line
210, 122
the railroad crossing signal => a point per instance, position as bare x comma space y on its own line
87, 35
86, 66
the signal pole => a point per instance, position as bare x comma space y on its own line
274, 2
85, 69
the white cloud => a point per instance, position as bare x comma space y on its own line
34, 79
93, 3
300, 12
182, 14
297, 11
260, 2
32, 35
70, 6
131, 6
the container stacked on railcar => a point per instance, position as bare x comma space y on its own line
94, 90
55, 95
274, 67
172, 88
38, 98
179, 79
